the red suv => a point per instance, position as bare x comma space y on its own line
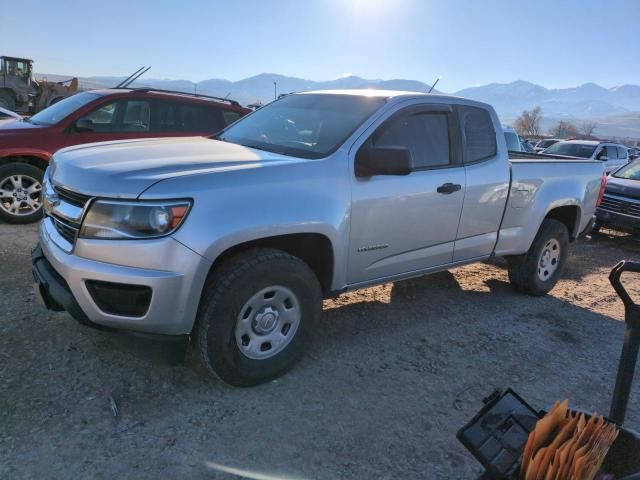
96, 116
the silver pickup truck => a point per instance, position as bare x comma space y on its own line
233, 241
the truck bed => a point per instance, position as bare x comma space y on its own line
538, 182
525, 157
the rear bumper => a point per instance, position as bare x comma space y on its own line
620, 220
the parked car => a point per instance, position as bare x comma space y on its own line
634, 153
545, 143
613, 155
620, 205
95, 116
527, 147
234, 241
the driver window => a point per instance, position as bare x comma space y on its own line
104, 118
607, 153
426, 135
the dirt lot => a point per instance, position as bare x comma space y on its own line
392, 373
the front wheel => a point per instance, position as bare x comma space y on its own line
537, 271
256, 315
20, 193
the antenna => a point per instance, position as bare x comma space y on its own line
135, 76
227, 95
130, 76
434, 84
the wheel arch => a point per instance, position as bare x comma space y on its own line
38, 161
569, 215
315, 249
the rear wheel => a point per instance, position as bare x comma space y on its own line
256, 315
7, 101
538, 271
20, 193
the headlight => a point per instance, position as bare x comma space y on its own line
112, 219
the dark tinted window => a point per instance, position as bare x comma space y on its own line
479, 135
622, 152
230, 116
426, 135
198, 118
165, 117
136, 116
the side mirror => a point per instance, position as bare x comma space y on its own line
84, 125
383, 161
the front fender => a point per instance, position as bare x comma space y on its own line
235, 207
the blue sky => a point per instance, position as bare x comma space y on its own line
559, 43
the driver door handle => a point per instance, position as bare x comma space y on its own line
448, 188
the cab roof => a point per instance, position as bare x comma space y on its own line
20, 59
395, 95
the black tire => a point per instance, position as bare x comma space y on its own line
524, 269
28, 173
7, 101
224, 297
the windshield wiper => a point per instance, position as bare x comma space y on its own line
259, 146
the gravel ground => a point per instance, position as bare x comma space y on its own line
391, 375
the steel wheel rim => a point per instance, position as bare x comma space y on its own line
267, 322
20, 195
549, 260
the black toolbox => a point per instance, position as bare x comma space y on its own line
497, 434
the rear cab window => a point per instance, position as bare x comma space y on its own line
478, 134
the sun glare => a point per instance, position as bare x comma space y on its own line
372, 8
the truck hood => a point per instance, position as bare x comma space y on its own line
623, 187
13, 125
124, 169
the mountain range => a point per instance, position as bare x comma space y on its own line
616, 110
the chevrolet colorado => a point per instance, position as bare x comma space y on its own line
233, 241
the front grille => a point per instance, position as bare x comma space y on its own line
67, 230
620, 205
67, 227
77, 199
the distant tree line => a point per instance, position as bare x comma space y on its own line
528, 125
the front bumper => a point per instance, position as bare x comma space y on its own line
620, 220
175, 289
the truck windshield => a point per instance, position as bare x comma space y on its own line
630, 172
306, 125
571, 149
61, 110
